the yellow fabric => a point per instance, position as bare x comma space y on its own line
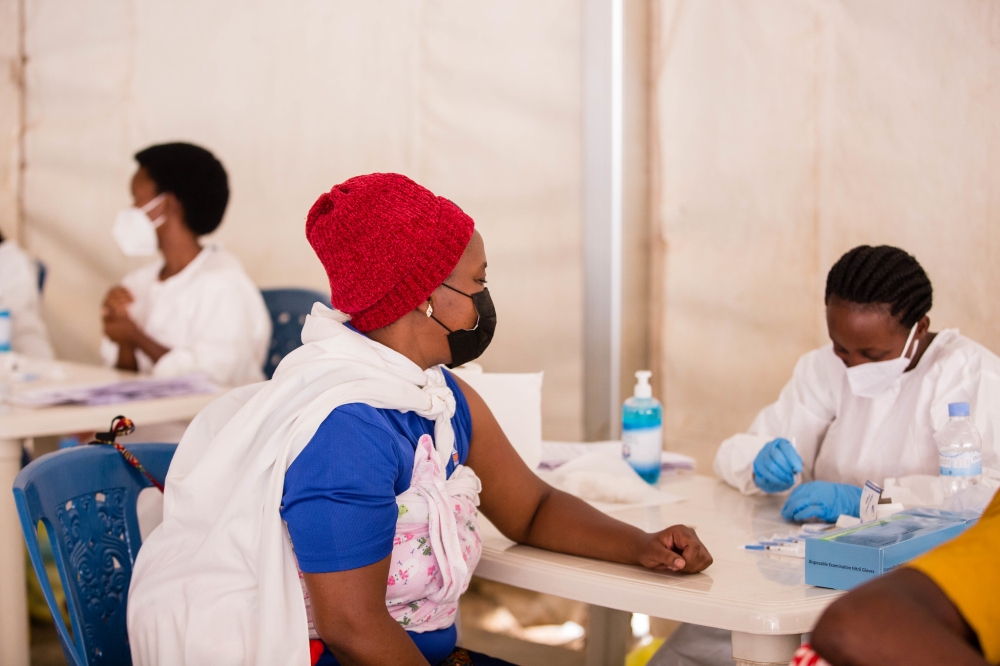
968, 571
641, 655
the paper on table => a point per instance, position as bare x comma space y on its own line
603, 479
114, 393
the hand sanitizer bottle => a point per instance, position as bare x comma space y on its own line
642, 429
5, 330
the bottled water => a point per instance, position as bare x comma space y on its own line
642, 429
960, 450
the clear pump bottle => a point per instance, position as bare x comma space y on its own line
960, 450
642, 429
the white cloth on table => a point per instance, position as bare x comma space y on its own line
210, 316
216, 582
19, 294
844, 438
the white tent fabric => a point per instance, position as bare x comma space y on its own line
478, 101
787, 134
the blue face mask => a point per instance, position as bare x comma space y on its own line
469, 344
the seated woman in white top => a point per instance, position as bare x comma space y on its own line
19, 296
195, 311
866, 406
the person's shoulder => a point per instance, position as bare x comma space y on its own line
15, 260
951, 348
143, 276
353, 417
219, 261
221, 273
821, 361
11, 251
356, 431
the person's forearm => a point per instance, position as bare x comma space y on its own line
382, 641
566, 524
150, 347
126, 358
901, 618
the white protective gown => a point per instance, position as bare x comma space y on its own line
210, 315
847, 439
19, 294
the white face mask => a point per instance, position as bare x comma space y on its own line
869, 380
134, 232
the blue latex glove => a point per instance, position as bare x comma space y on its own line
776, 465
823, 500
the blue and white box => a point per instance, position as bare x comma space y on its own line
849, 557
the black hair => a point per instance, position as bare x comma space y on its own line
882, 275
194, 176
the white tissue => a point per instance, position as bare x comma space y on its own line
604, 478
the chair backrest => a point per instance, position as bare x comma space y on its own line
288, 308
86, 498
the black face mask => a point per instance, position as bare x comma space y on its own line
470, 343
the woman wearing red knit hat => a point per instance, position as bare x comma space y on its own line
331, 513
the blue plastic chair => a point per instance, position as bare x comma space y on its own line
288, 308
85, 496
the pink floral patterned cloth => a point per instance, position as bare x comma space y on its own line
437, 544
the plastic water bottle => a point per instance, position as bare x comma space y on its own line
642, 429
960, 450
5, 331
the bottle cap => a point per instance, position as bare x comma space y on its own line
642, 387
958, 409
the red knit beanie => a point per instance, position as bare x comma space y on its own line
386, 244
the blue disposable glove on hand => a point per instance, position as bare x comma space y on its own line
776, 465
823, 500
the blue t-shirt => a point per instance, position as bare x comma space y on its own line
339, 498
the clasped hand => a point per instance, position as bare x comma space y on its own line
118, 325
676, 548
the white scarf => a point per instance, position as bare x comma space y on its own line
216, 582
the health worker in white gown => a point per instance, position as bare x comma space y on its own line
195, 311
866, 406
20, 296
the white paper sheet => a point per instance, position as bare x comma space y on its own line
114, 392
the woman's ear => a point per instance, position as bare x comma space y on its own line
923, 326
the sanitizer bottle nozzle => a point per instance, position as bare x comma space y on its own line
642, 387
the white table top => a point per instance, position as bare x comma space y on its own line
745, 591
24, 422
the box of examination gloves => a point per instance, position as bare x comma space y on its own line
848, 557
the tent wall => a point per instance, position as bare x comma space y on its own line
10, 114
787, 133
481, 102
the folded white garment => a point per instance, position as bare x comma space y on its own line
556, 454
606, 481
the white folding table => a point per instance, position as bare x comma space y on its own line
761, 598
18, 424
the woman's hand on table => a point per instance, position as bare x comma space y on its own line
527, 510
676, 548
